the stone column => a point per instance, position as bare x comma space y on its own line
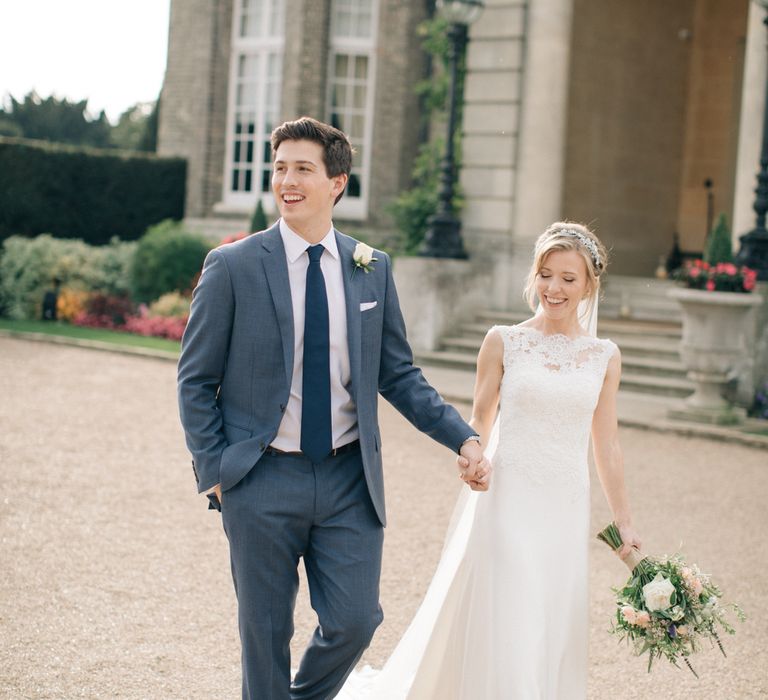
515, 122
543, 123
492, 95
750, 123
305, 62
193, 101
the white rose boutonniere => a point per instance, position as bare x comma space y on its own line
363, 258
658, 593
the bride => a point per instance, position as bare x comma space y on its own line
506, 614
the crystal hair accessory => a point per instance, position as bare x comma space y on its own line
588, 243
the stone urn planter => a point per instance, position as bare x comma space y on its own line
715, 328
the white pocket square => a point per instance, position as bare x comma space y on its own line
366, 305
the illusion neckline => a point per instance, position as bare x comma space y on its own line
531, 329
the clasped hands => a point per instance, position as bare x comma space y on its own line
474, 467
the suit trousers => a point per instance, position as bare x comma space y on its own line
287, 508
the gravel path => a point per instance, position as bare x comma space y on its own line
114, 578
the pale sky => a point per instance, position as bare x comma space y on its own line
109, 51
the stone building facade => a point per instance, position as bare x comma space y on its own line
238, 68
610, 112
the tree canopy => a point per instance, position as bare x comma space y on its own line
62, 121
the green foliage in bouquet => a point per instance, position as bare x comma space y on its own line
719, 246
667, 607
167, 259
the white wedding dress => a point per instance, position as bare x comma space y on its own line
505, 616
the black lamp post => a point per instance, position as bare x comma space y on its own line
443, 236
754, 245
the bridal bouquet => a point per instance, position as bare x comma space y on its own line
667, 607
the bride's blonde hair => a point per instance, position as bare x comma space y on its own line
566, 235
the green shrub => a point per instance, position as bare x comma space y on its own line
719, 246
28, 266
413, 207
172, 304
259, 219
85, 193
167, 259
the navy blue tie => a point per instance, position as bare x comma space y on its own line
316, 437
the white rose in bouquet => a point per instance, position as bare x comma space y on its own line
657, 593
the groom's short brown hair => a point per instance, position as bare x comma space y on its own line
337, 150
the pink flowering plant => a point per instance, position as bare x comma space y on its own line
667, 608
234, 237
720, 277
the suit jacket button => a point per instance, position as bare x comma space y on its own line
262, 446
282, 408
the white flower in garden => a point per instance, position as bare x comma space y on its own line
657, 593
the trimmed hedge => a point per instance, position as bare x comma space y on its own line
86, 193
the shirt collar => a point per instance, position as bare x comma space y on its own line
295, 245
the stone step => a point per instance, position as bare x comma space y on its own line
647, 346
633, 377
441, 358
642, 313
650, 346
454, 348
660, 386
640, 301
492, 316
606, 328
634, 346
652, 366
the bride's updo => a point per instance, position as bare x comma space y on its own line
564, 235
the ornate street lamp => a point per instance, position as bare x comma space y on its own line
754, 245
443, 236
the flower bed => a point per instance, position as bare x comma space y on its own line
720, 277
165, 318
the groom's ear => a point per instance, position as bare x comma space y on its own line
339, 183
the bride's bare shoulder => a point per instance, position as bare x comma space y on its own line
493, 343
502, 331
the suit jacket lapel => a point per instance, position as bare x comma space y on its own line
276, 271
352, 292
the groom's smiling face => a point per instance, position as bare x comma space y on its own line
304, 193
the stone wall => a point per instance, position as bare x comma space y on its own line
627, 112
193, 102
712, 122
195, 95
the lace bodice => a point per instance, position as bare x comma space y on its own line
549, 392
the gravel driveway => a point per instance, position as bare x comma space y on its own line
114, 578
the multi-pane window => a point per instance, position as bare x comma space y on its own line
350, 94
353, 18
254, 105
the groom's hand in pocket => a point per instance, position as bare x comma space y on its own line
214, 496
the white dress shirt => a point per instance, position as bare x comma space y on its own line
343, 409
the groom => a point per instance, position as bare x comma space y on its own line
292, 335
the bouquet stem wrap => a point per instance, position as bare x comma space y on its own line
635, 561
